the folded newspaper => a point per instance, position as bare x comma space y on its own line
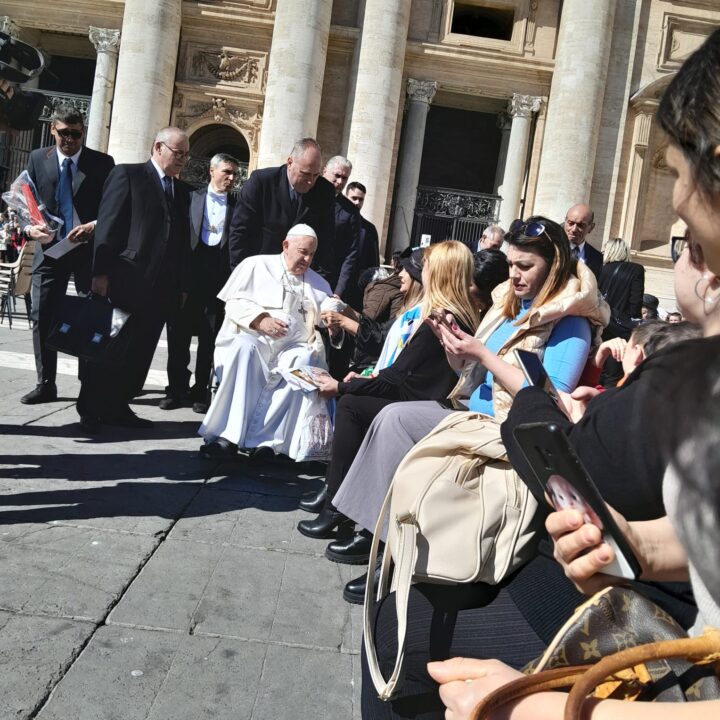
303, 377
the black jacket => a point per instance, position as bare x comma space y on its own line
92, 170
346, 246
264, 214
141, 242
622, 285
593, 259
420, 372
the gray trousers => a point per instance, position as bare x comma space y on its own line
391, 436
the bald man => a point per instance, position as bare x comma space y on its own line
578, 225
272, 308
141, 263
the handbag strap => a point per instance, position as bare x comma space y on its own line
612, 278
702, 650
585, 678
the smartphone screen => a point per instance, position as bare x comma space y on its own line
535, 372
567, 484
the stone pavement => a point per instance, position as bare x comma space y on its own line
138, 581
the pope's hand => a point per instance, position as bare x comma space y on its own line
273, 327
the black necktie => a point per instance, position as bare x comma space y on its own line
575, 250
168, 187
65, 196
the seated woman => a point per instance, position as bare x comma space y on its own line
272, 306
550, 305
419, 371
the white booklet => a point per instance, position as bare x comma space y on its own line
303, 377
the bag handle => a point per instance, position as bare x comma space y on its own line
585, 678
405, 562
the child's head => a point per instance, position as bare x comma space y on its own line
653, 335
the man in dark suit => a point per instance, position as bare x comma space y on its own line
210, 211
275, 199
142, 264
69, 179
578, 225
369, 249
346, 243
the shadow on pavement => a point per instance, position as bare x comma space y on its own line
164, 430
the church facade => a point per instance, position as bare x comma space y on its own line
454, 113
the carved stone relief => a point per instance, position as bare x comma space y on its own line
239, 68
681, 36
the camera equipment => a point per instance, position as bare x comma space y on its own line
20, 62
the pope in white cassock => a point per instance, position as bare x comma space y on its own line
272, 308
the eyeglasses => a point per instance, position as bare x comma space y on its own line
677, 246
177, 153
67, 133
526, 229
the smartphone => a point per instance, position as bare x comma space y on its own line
535, 373
440, 316
567, 484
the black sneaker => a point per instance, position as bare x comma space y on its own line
43, 393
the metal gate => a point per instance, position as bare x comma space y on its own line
447, 214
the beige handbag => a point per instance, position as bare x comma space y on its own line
458, 514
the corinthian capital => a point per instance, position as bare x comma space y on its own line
422, 90
9, 26
523, 105
104, 39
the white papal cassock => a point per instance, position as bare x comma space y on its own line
254, 406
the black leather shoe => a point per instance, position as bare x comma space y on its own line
45, 392
354, 591
314, 503
355, 551
325, 524
90, 424
200, 408
220, 448
127, 418
170, 403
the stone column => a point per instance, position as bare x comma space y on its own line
504, 123
295, 77
574, 107
107, 44
520, 109
145, 77
378, 92
420, 95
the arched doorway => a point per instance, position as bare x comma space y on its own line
210, 140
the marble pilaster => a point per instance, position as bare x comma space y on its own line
107, 44
296, 69
420, 95
145, 78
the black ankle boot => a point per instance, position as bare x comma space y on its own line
355, 551
325, 523
314, 503
354, 591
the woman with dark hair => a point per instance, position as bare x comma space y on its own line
491, 269
549, 305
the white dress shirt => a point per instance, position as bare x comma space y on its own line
161, 175
213, 217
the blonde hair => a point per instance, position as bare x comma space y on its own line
449, 277
413, 296
616, 250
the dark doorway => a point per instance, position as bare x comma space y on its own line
211, 140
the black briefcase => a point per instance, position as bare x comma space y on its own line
82, 328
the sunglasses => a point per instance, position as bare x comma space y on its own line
526, 229
67, 133
677, 246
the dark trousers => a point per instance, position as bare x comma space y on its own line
353, 416
201, 315
49, 285
108, 389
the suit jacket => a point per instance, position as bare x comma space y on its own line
346, 247
90, 174
141, 242
197, 212
593, 259
264, 214
368, 256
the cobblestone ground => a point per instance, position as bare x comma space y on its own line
138, 581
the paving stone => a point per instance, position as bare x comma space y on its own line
69, 572
240, 599
167, 591
34, 654
299, 683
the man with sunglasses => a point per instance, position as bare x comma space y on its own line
69, 179
142, 264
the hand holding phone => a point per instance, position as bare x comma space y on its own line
441, 317
535, 373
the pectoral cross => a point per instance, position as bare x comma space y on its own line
213, 229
